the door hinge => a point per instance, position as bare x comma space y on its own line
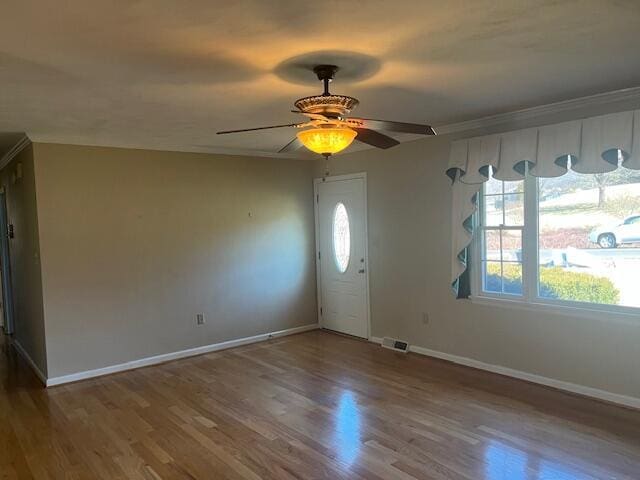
318, 255
320, 310
318, 198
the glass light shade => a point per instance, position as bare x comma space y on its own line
327, 141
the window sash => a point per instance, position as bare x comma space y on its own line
530, 257
477, 267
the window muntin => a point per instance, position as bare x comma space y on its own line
542, 246
341, 237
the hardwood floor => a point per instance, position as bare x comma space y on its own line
309, 406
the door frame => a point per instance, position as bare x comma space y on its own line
337, 178
5, 268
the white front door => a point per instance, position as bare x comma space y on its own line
341, 240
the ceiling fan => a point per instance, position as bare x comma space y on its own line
329, 130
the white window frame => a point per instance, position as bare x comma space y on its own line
530, 277
478, 250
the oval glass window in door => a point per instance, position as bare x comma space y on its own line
341, 237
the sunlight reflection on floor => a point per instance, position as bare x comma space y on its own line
347, 430
508, 463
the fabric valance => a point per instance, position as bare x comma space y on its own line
591, 145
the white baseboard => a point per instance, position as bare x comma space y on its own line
23, 353
616, 398
165, 357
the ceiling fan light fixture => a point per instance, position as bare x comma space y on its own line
327, 141
329, 129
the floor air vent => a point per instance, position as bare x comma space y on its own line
394, 344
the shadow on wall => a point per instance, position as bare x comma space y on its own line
269, 260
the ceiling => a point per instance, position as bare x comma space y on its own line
168, 74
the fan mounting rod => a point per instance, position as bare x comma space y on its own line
325, 74
326, 104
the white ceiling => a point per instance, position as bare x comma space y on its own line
168, 74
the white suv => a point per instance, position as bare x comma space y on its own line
612, 236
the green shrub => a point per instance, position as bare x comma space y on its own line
557, 282
512, 278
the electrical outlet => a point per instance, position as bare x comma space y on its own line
425, 318
200, 318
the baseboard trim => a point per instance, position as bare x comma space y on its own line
596, 393
23, 353
166, 357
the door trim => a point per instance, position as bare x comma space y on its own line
337, 178
8, 312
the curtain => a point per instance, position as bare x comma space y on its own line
591, 145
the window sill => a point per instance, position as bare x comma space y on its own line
599, 313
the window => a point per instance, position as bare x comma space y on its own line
572, 240
341, 237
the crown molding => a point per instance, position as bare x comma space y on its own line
205, 150
625, 94
15, 150
517, 116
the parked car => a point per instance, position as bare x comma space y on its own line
614, 235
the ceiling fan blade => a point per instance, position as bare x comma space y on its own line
292, 146
377, 139
390, 126
257, 128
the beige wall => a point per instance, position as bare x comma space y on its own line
409, 249
24, 252
135, 243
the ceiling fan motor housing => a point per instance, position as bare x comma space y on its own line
328, 105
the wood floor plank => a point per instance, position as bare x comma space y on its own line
309, 406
